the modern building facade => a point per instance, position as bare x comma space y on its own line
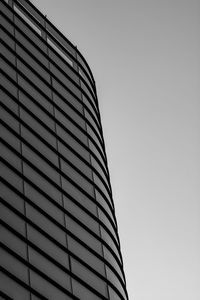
58, 231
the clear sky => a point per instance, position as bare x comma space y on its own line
145, 57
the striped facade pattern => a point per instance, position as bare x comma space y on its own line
58, 230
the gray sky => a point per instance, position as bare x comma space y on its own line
145, 58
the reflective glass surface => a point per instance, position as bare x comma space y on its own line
13, 289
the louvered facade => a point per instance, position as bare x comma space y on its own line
58, 231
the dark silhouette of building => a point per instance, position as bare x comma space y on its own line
58, 231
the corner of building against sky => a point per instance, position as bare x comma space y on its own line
145, 59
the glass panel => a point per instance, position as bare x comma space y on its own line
40, 146
9, 27
56, 59
34, 78
70, 126
79, 196
113, 294
33, 63
68, 96
97, 154
96, 165
11, 197
46, 289
34, 37
59, 51
39, 163
89, 277
10, 138
82, 292
13, 266
49, 269
86, 255
115, 281
94, 136
30, 46
110, 258
67, 83
86, 79
25, 6
26, 19
73, 143
63, 104
78, 179
13, 289
12, 158
35, 94
110, 242
90, 94
13, 220
11, 58
81, 215
37, 111
13, 242
45, 224
38, 128
44, 203
8, 119
42, 183
100, 184
102, 201
59, 39
48, 246
83, 235
64, 79
91, 120
8, 85
69, 155
5, 99
91, 109
107, 223
10, 176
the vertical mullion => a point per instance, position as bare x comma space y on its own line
44, 35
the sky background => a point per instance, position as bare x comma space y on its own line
145, 57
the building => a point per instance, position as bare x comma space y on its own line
58, 233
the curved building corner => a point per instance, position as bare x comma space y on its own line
58, 230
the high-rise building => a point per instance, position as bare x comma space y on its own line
58, 231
